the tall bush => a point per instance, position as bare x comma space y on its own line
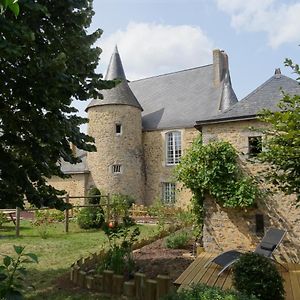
257, 275
91, 217
94, 195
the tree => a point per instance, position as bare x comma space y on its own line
12, 5
282, 146
47, 60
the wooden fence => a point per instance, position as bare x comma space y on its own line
84, 275
137, 212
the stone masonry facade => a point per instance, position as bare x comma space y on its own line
226, 228
157, 172
154, 171
124, 149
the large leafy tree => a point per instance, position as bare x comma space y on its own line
283, 143
47, 59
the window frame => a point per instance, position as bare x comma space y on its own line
168, 193
116, 169
121, 129
173, 147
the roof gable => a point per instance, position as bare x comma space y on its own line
266, 96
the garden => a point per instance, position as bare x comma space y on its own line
42, 236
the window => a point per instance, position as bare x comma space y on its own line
254, 145
118, 129
260, 224
116, 169
168, 195
173, 147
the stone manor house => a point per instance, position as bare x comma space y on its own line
142, 128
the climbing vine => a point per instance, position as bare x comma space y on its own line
213, 169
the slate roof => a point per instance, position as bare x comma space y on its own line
266, 96
78, 168
121, 93
115, 68
177, 99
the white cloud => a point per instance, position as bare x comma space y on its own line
279, 21
149, 49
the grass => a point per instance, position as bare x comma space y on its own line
56, 253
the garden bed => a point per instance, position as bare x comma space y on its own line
156, 259
156, 267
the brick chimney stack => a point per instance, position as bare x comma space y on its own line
220, 63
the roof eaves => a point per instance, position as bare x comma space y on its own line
76, 172
224, 120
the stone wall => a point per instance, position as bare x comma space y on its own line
232, 228
157, 171
76, 185
123, 149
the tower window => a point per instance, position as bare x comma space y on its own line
116, 169
168, 193
118, 129
173, 147
254, 145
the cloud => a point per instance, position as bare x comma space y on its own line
280, 21
149, 49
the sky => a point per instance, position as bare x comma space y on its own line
161, 36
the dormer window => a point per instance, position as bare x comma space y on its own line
118, 129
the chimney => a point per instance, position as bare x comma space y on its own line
220, 63
277, 73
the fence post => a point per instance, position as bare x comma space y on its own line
17, 221
67, 215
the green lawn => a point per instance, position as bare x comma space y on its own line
56, 254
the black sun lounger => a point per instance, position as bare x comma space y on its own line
266, 247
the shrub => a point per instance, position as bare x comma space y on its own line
254, 274
90, 217
177, 240
204, 292
93, 193
121, 238
120, 205
42, 221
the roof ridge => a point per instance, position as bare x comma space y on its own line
261, 86
246, 97
170, 73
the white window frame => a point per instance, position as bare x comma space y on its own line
173, 147
168, 193
121, 129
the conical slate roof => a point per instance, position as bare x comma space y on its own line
121, 94
228, 97
115, 68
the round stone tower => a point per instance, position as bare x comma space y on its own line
116, 124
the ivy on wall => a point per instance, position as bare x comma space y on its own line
213, 169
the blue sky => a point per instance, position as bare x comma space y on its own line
161, 36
